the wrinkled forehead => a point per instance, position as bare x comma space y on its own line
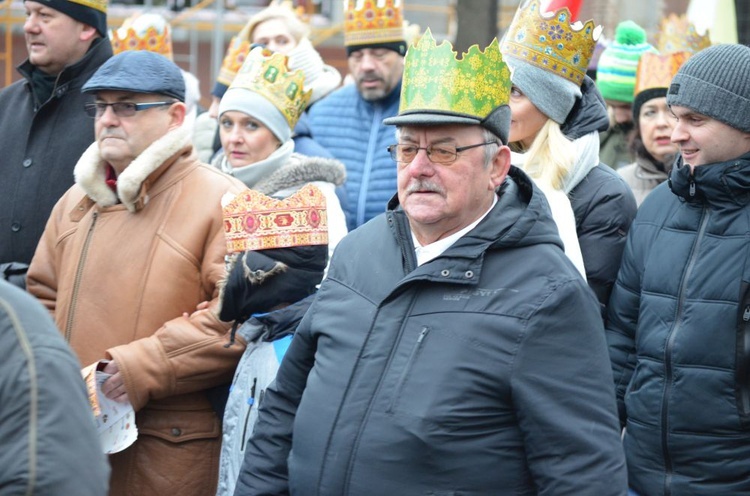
451, 133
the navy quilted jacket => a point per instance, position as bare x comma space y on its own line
679, 335
352, 130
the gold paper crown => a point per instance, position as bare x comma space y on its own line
657, 71
549, 41
254, 221
436, 80
100, 5
677, 34
136, 38
371, 23
266, 73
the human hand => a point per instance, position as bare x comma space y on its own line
201, 306
114, 387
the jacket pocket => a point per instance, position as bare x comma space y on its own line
412, 358
178, 426
742, 357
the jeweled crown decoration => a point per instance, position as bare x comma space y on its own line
549, 41
128, 37
436, 80
267, 74
254, 221
372, 21
100, 5
239, 47
657, 71
677, 34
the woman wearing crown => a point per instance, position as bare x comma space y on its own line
256, 118
557, 114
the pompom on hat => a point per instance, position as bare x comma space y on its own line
716, 83
615, 75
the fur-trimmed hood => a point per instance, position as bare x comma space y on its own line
90, 172
300, 170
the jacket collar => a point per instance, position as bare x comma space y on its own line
90, 171
715, 184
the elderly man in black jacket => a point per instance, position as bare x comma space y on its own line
453, 348
43, 127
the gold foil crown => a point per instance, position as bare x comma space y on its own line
436, 80
239, 47
657, 71
267, 74
372, 21
149, 32
100, 5
254, 221
677, 34
549, 41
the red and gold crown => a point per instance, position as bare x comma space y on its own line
149, 32
254, 221
267, 74
549, 41
372, 21
657, 71
677, 34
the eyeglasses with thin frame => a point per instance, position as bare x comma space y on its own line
121, 109
443, 154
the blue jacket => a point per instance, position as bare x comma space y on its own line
475, 373
352, 129
679, 334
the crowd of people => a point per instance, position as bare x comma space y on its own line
522, 270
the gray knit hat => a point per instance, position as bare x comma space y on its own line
716, 83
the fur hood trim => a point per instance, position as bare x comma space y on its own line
300, 170
90, 172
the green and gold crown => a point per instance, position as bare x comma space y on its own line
267, 74
367, 22
435, 80
549, 41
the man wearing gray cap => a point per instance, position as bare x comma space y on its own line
137, 241
43, 127
679, 315
469, 356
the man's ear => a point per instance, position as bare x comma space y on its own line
88, 33
177, 113
499, 166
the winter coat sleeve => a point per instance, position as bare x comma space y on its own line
187, 354
622, 319
264, 469
564, 401
49, 441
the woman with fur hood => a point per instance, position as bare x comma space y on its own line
256, 118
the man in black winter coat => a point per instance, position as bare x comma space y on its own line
43, 127
452, 348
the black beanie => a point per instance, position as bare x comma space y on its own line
397, 46
715, 82
260, 280
91, 12
643, 97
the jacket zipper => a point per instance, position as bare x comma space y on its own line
79, 275
668, 355
412, 357
742, 367
250, 403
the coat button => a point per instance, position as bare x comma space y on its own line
445, 272
176, 432
27, 162
15, 227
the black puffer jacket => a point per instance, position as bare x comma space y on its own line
603, 203
480, 372
40, 146
49, 442
679, 335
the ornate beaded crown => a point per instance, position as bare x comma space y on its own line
549, 41
657, 71
254, 221
677, 34
372, 21
436, 80
143, 32
266, 73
